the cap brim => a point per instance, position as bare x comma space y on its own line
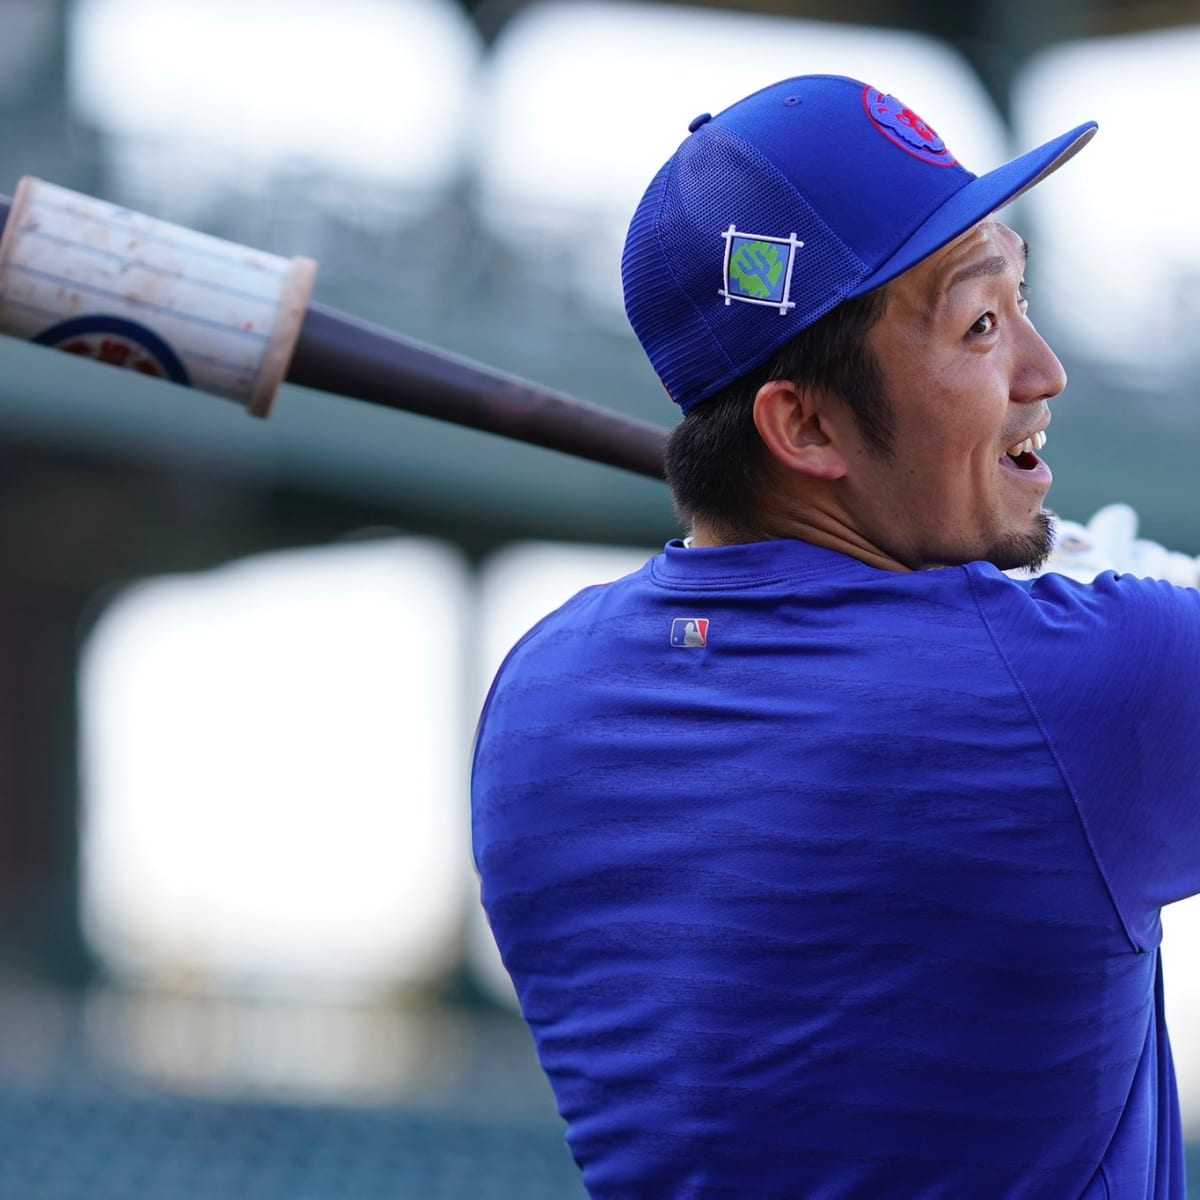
977, 200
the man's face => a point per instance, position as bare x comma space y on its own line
968, 379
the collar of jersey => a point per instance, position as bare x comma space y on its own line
783, 558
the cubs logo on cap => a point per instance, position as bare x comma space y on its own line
758, 269
905, 129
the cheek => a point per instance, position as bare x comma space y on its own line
970, 419
948, 468
948, 422
946, 439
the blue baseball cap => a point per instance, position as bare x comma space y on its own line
807, 193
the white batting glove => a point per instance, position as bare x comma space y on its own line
1109, 542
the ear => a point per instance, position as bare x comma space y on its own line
794, 424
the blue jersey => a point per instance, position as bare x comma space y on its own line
818, 881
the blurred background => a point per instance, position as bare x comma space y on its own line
240, 945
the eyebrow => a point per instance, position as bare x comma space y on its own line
988, 266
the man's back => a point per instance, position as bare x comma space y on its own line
813, 881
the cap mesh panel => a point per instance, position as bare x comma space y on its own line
674, 264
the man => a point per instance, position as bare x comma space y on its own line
826, 858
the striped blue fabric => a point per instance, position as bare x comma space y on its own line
860, 898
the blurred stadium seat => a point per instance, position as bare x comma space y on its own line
84, 1144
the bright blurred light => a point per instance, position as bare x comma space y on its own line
1117, 258
1181, 976
272, 771
518, 586
377, 89
582, 103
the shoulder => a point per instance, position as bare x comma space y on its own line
1110, 599
582, 613
569, 637
1096, 651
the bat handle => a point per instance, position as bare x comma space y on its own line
347, 356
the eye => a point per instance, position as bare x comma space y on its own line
986, 324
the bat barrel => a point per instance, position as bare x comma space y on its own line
101, 281
350, 357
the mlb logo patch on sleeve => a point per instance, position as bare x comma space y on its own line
689, 632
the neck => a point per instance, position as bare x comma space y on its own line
816, 527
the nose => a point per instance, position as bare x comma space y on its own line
1039, 375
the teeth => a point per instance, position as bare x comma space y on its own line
1030, 444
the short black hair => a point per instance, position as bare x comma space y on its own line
715, 455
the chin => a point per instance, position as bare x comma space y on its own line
1027, 550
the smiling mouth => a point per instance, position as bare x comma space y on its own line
1022, 454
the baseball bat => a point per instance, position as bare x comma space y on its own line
319, 347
